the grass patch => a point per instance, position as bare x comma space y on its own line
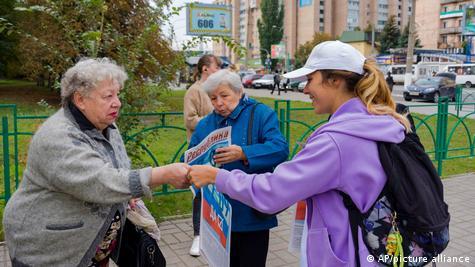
170, 205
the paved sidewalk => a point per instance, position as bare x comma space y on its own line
459, 194
177, 237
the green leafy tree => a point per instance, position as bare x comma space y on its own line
270, 27
404, 39
55, 34
389, 37
303, 51
9, 62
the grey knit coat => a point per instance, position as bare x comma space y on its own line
74, 183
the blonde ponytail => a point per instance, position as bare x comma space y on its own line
374, 92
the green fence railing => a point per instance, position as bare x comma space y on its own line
6, 159
439, 136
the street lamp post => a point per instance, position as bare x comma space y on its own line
410, 47
287, 65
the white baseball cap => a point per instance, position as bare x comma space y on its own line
331, 55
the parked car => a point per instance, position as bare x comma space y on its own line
430, 89
248, 79
266, 81
301, 86
293, 84
450, 75
244, 73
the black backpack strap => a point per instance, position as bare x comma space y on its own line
249, 126
354, 216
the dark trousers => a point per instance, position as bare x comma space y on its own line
249, 248
390, 85
278, 88
196, 214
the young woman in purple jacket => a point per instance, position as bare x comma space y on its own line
341, 155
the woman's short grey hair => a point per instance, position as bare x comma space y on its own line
87, 74
223, 77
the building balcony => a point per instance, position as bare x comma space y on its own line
450, 30
451, 14
450, 1
442, 44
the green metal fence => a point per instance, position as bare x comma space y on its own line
437, 132
439, 136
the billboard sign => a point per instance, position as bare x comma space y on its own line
277, 51
208, 20
469, 20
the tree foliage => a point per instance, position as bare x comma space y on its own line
404, 38
232, 44
389, 37
8, 41
270, 27
55, 34
303, 51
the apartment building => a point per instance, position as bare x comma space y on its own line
450, 26
427, 22
220, 48
245, 15
305, 17
440, 24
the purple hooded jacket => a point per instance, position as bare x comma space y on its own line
341, 155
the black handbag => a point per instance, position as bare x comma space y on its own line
139, 249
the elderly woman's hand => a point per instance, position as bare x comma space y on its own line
174, 174
201, 175
229, 154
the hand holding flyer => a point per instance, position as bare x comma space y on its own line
203, 153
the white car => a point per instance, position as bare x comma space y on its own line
267, 81
302, 86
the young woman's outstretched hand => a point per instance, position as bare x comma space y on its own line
201, 175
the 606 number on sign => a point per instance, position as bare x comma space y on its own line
204, 23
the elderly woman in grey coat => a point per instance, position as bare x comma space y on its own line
70, 207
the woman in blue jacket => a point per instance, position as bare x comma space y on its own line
266, 149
